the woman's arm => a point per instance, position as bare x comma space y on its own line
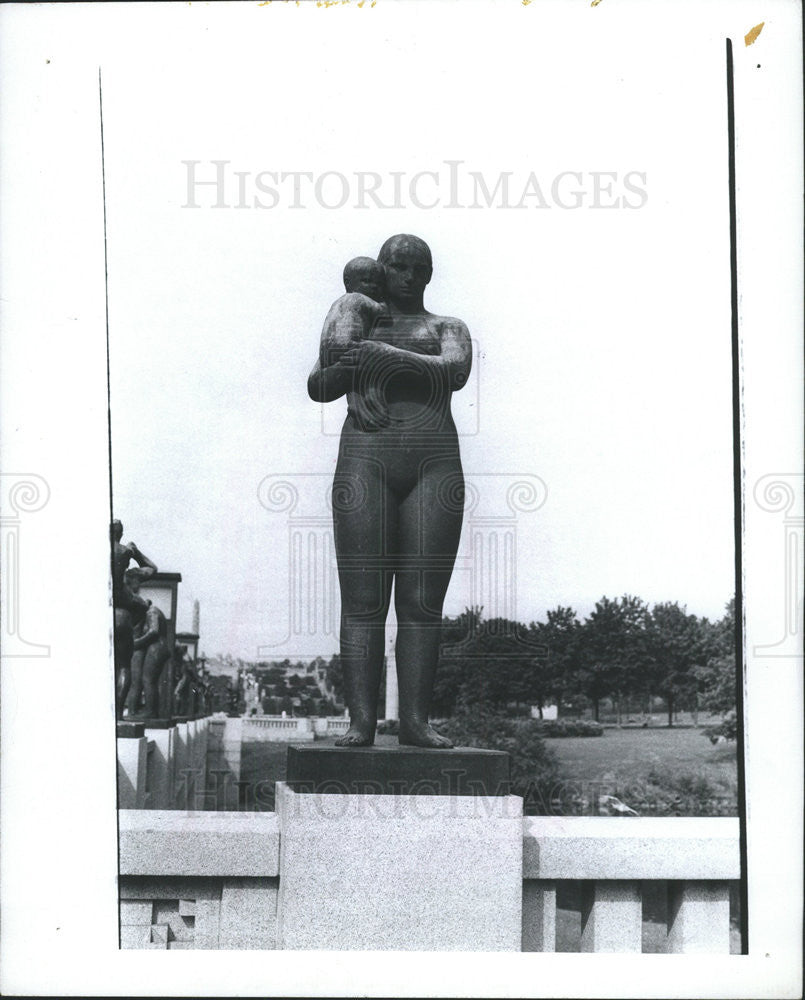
152, 629
453, 363
326, 384
147, 567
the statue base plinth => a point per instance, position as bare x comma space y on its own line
397, 771
129, 730
401, 872
156, 723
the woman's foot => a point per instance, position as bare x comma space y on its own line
420, 734
356, 736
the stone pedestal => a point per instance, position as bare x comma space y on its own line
132, 758
127, 729
181, 766
161, 778
392, 691
223, 742
388, 868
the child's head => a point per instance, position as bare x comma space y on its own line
362, 274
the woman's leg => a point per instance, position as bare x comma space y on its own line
365, 522
136, 690
124, 647
156, 656
430, 528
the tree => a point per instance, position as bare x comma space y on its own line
495, 663
611, 647
717, 679
559, 636
455, 652
335, 677
675, 645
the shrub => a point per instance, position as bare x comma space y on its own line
388, 727
688, 793
534, 769
556, 729
728, 728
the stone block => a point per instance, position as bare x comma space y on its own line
699, 917
130, 730
208, 917
399, 872
135, 935
160, 934
249, 913
611, 917
200, 747
136, 911
181, 764
397, 771
539, 916
606, 847
167, 842
161, 779
132, 761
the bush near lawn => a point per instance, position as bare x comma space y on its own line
656, 772
534, 768
555, 729
548, 729
666, 792
727, 729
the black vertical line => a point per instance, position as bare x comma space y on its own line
737, 470
106, 309
109, 458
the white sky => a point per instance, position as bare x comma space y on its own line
603, 335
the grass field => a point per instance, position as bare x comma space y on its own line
618, 763
627, 762
633, 751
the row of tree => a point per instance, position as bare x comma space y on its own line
623, 651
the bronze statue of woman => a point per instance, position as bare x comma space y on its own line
398, 491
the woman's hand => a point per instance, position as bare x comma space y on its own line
366, 353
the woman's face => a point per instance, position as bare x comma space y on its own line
407, 273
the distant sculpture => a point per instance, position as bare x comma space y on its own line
150, 655
128, 607
139, 609
398, 491
182, 690
191, 693
206, 689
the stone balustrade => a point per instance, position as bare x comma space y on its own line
164, 768
612, 857
212, 879
273, 729
198, 763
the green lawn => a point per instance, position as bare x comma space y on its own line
616, 763
629, 752
621, 761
